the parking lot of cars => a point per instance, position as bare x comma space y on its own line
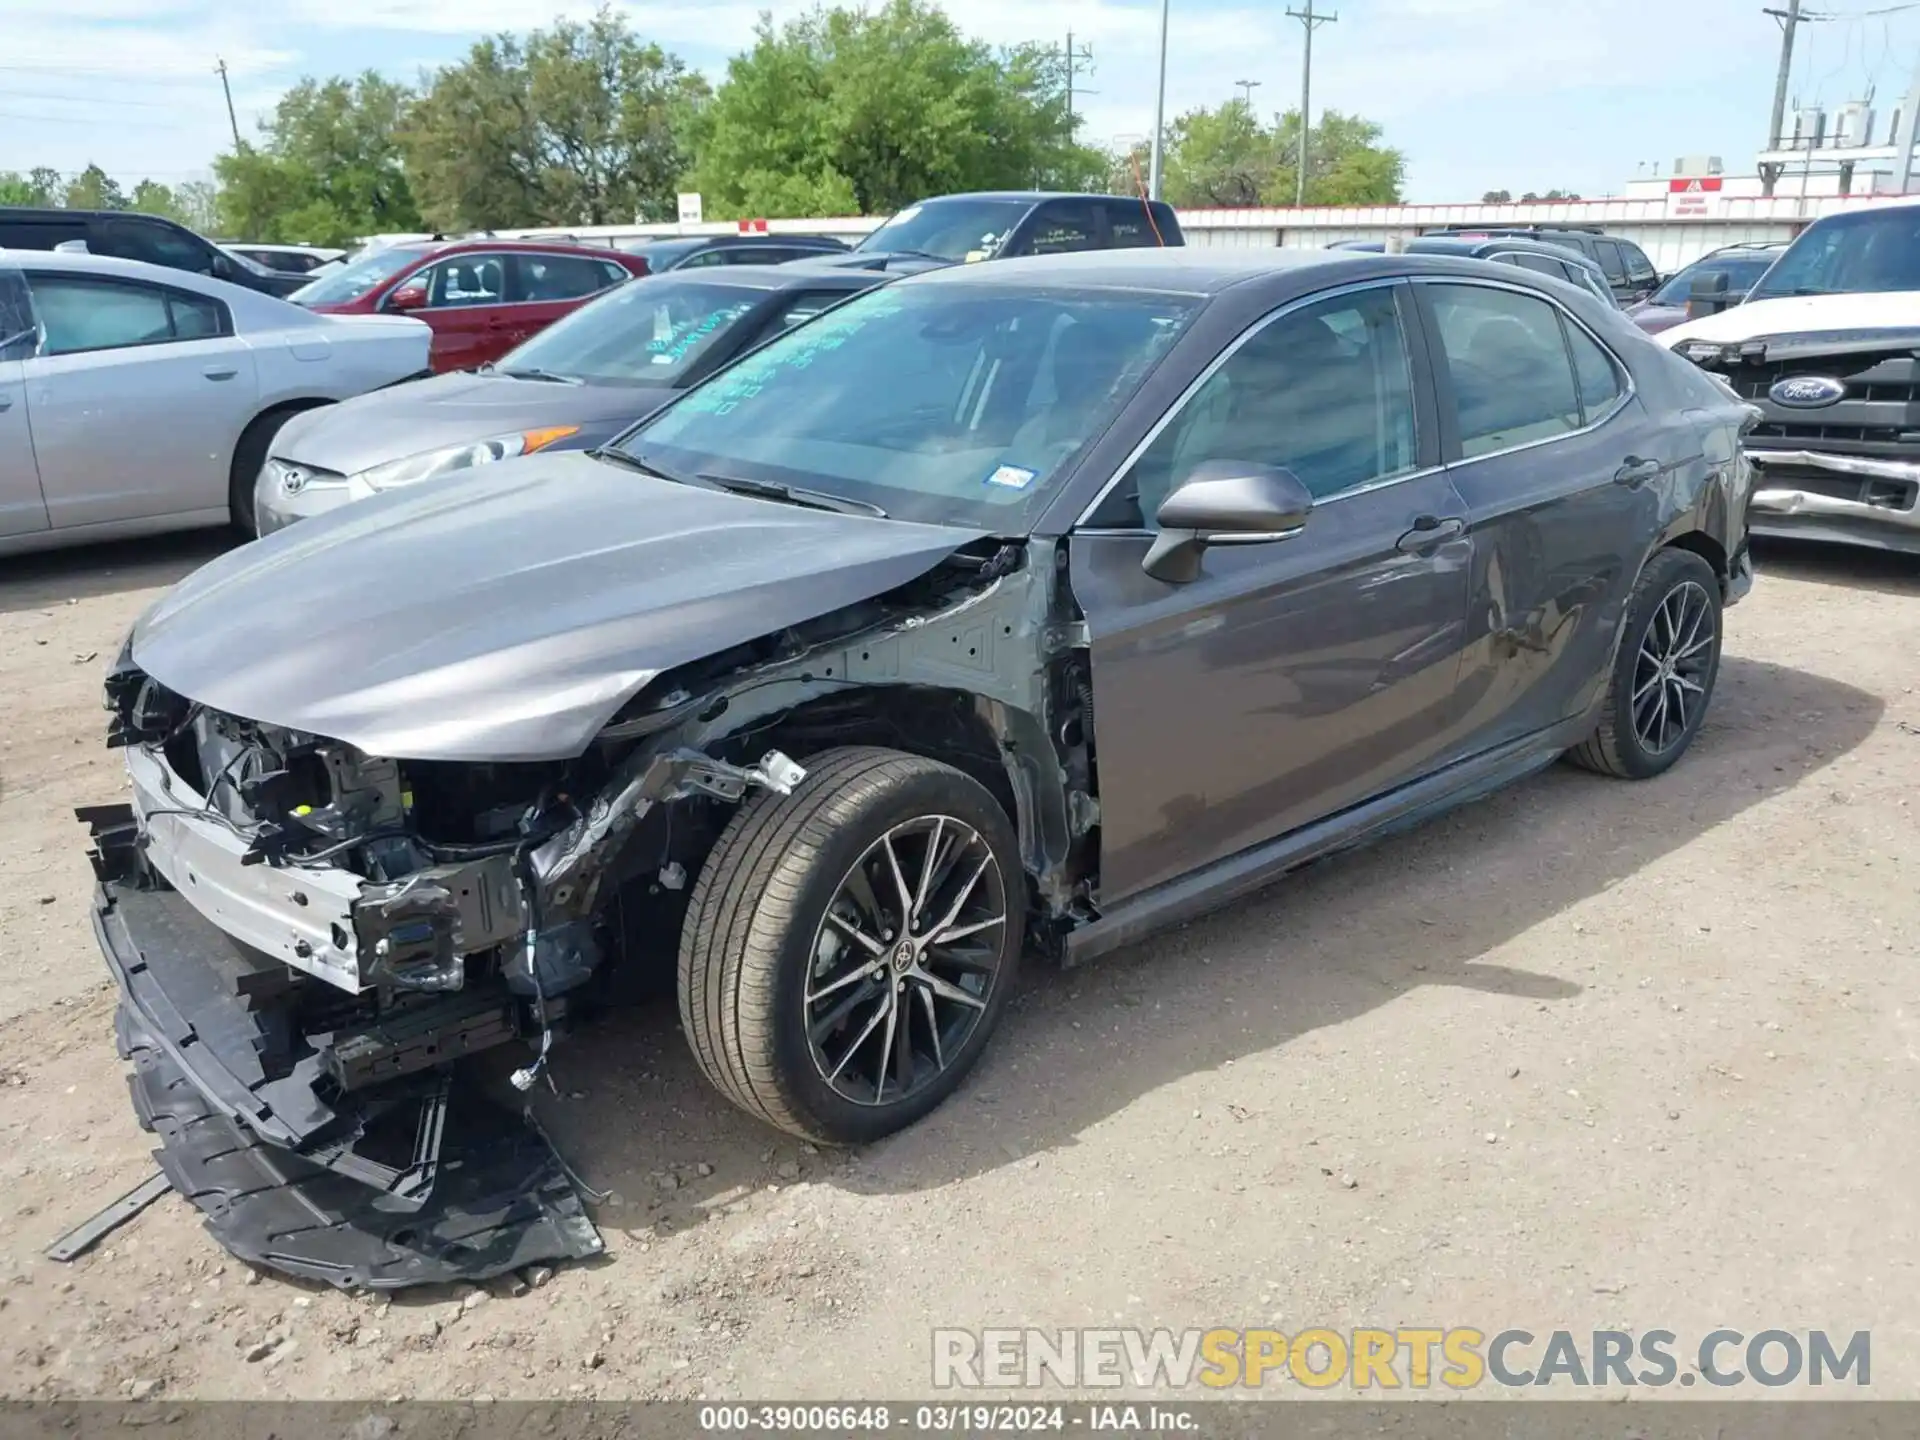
740, 678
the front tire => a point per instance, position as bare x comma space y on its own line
849, 947
249, 455
1663, 672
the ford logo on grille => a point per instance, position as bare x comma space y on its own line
1807, 392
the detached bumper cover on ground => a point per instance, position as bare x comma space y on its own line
416, 1182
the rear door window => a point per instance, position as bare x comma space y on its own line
1639, 269
1527, 260
1129, 226
39, 234
80, 314
1611, 263
1513, 381
156, 244
556, 277
467, 280
1064, 226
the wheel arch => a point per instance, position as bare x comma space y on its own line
1003, 748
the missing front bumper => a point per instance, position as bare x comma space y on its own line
1852, 499
366, 1163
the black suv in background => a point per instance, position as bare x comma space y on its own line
1629, 273
1003, 224
677, 253
126, 235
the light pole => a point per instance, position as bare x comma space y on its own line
1159, 109
1246, 89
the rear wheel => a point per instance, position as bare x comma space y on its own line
849, 947
1663, 673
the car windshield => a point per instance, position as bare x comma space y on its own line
1741, 271
1869, 250
357, 277
955, 403
646, 332
950, 229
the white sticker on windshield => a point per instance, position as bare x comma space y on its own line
661, 360
1012, 476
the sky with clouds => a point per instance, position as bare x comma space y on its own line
1479, 94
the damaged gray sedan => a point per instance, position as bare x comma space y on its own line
1021, 608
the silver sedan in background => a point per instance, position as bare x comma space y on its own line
135, 399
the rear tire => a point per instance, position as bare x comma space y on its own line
1663, 671
846, 1026
248, 457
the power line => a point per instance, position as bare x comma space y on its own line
76, 120
1310, 22
9, 93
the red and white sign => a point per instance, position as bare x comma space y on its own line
1695, 197
753, 227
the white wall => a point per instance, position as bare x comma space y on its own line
1669, 239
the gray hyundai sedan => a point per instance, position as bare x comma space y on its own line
1011, 609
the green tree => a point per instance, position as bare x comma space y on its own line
328, 168
39, 186
1497, 197
581, 124
868, 110
1533, 195
94, 189
1227, 156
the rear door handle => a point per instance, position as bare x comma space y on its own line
1429, 533
1635, 472
221, 372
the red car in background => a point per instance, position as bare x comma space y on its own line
480, 297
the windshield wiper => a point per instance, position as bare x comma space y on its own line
794, 495
535, 373
634, 462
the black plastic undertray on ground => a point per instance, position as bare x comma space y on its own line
501, 1200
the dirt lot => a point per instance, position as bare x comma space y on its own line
1586, 1054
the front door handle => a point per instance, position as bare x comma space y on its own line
1635, 472
1429, 533
221, 372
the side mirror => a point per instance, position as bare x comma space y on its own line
1224, 502
408, 297
1708, 294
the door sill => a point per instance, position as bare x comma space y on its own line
1238, 875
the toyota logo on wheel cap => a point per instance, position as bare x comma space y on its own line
1807, 392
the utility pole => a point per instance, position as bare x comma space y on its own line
1790, 21
1246, 89
1159, 110
220, 69
1309, 22
1085, 52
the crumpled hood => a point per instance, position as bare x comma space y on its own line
456, 409
1802, 314
507, 614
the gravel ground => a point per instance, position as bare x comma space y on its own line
1587, 1054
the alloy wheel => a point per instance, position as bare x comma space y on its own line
905, 960
1670, 672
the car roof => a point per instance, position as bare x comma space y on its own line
470, 245
1031, 196
61, 212
770, 278
85, 263
1504, 244
1196, 270
1270, 277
